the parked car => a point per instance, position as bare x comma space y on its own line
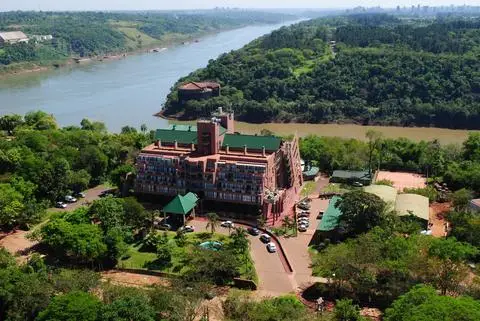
60, 205
357, 184
302, 215
271, 247
254, 231
107, 192
265, 238
227, 224
304, 206
302, 228
70, 199
303, 219
81, 195
188, 228
164, 226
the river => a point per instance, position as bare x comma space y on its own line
120, 92
129, 91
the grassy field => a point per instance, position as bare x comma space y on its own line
136, 38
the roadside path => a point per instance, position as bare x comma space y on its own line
16, 242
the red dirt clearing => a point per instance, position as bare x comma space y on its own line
403, 180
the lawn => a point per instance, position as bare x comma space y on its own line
136, 38
308, 188
139, 258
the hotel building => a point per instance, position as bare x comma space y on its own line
227, 170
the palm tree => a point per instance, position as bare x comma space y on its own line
287, 223
239, 238
213, 222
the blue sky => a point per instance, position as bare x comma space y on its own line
194, 4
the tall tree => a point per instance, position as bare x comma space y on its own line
74, 306
213, 222
361, 211
446, 265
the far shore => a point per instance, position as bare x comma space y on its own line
443, 135
38, 67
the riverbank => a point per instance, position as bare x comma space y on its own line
166, 42
443, 135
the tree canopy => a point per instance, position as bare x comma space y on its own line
404, 72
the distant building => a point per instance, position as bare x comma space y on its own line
230, 172
41, 38
350, 177
198, 90
11, 37
475, 205
403, 203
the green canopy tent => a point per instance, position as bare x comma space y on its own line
182, 205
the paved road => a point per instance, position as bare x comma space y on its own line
90, 195
273, 279
296, 248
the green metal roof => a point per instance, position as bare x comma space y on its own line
172, 135
271, 143
312, 171
331, 217
351, 174
181, 204
183, 134
187, 128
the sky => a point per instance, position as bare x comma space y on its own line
46, 5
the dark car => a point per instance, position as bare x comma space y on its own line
254, 231
164, 226
107, 192
265, 238
304, 206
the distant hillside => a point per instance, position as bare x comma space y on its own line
382, 70
84, 34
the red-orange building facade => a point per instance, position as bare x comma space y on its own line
223, 167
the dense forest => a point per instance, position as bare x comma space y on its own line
84, 34
365, 69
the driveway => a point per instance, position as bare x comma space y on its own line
90, 196
296, 248
17, 243
273, 279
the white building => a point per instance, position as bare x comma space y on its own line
41, 38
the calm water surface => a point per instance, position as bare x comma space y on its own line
122, 92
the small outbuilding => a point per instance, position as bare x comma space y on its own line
327, 226
198, 90
12, 37
349, 177
182, 205
403, 204
413, 204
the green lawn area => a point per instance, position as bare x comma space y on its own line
338, 188
138, 258
136, 38
308, 188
